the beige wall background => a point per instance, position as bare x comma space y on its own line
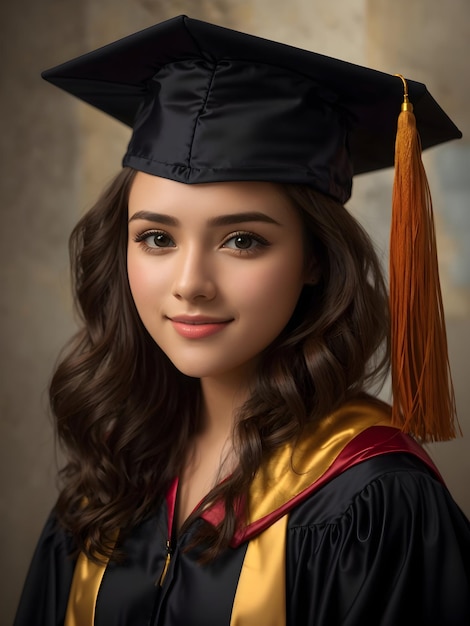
56, 154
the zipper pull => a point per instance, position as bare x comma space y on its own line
167, 562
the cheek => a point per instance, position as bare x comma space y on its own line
275, 289
142, 282
136, 278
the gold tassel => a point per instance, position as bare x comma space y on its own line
424, 402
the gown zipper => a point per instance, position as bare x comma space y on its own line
166, 565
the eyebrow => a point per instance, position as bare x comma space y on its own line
220, 220
149, 216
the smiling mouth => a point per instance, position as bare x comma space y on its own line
198, 328
197, 319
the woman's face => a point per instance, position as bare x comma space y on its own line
215, 269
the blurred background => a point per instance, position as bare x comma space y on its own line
57, 154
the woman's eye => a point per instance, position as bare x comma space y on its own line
155, 240
244, 242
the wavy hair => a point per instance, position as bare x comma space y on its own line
125, 415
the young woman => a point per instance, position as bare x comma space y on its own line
225, 462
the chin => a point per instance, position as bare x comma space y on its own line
195, 369
201, 370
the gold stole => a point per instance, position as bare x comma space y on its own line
84, 591
261, 590
261, 597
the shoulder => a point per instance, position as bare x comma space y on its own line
383, 479
383, 542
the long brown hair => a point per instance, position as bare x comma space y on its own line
125, 415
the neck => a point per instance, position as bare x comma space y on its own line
221, 399
211, 456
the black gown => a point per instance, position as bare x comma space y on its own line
379, 542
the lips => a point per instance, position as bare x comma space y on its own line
198, 327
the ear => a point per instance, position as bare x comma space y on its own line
312, 272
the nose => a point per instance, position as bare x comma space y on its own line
194, 276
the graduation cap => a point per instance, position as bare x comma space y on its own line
210, 104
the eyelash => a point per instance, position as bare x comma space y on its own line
260, 241
140, 238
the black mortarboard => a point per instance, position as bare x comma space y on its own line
211, 104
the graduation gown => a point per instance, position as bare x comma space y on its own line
354, 527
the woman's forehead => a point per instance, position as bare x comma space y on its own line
213, 201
